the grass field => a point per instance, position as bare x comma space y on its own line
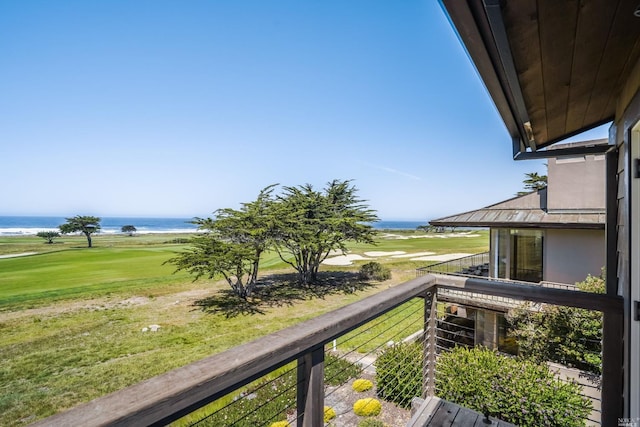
71, 318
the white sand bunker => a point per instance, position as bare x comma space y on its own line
344, 259
383, 253
392, 236
395, 236
18, 255
414, 254
397, 254
445, 257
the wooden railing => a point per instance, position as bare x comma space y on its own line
168, 397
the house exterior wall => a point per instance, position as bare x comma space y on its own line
621, 134
576, 182
571, 255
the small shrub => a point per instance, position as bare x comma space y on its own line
374, 271
280, 424
370, 422
512, 389
362, 385
329, 414
399, 373
368, 407
338, 370
179, 240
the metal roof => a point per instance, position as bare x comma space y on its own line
528, 211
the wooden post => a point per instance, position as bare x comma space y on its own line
429, 345
612, 369
310, 400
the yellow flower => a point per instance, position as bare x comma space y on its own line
362, 385
329, 414
368, 407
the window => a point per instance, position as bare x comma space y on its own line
526, 255
517, 254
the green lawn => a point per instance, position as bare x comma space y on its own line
79, 272
71, 318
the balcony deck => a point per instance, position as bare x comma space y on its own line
438, 412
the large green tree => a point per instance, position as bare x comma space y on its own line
86, 225
534, 181
210, 256
232, 244
309, 224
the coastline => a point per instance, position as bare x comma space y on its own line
30, 226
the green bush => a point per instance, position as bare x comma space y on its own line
361, 385
368, 407
515, 390
399, 373
370, 422
374, 271
338, 370
567, 335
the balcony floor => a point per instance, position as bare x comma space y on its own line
436, 412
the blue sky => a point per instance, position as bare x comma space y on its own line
178, 108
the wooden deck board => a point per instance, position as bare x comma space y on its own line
445, 414
436, 412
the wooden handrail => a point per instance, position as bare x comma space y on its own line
571, 298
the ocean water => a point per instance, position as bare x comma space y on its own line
29, 225
25, 225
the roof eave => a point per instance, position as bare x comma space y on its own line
471, 24
538, 225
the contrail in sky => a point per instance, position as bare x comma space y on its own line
395, 171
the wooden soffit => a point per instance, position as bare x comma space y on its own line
554, 68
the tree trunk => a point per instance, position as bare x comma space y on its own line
88, 239
254, 269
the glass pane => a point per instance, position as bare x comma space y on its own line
503, 252
526, 255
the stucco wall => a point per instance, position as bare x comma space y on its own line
576, 182
570, 255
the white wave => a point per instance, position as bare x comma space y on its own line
23, 231
32, 231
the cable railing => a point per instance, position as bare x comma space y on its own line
272, 399
476, 265
565, 359
301, 375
